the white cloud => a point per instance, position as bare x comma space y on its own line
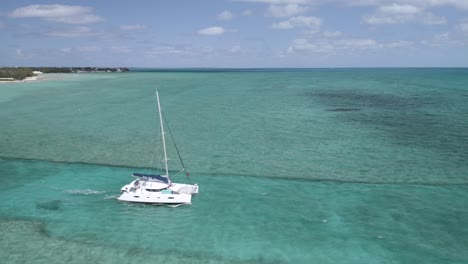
324, 45
183, 52
66, 50
171, 50
399, 44
463, 26
75, 32
72, 33
399, 9
132, 27
57, 13
286, 10
400, 14
441, 40
121, 49
431, 19
19, 53
80, 49
353, 44
82, 19
278, 2
332, 34
49, 11
462, 4
88, 49
459, 4
211, 31
247, 12
225, 15
235, 49
80, 31
306, 46
309, 22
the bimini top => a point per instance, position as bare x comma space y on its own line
151, 177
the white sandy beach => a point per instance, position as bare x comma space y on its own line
36, 78
43, 77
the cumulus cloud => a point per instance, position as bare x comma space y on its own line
306, 46
399, 44
120, 49
80, 49
324, 45
235, 49
308, 22
180, 52
360, 44
81, 31
49, 11
463, 26
211, 31
66, 50
400, 9
286, 10
459, 4
279, 2
132, 27
225, 15
71, 33
171, 50
82, 19
442, 39
247, 12
57, 13
19, 53
402, 13
332, 34
88, 49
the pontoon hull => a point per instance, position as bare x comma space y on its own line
143, 196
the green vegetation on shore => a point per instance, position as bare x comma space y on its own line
20, 73
16, 73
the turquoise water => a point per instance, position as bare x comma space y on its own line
295, 166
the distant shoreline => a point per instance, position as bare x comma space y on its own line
37, 78
11, 74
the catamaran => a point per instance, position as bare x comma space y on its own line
159, 189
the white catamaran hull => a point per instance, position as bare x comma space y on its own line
143, 196
157, 192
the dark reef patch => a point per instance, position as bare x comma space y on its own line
358, 99
343, 109
54, 205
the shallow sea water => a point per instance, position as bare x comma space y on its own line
295, 166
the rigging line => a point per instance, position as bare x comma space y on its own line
178, 173
152, 162
175, 145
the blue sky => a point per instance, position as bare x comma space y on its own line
235, 33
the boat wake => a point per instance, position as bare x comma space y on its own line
174, 205
85, 191
107, 197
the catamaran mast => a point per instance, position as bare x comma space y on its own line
162, 135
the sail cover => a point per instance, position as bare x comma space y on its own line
151, 177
